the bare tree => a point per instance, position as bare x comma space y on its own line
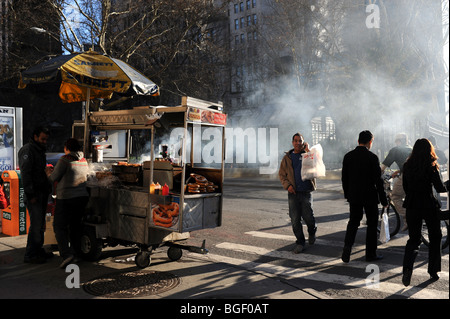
179, 44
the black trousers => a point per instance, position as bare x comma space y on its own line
67, 224
356, 214
414, 219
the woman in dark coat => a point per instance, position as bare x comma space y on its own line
420, 175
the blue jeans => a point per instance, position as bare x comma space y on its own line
300, 207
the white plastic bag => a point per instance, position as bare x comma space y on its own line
385, 236
312, 163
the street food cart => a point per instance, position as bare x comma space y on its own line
156, 199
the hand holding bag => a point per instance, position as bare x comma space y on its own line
312, 163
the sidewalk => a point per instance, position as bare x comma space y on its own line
189, 278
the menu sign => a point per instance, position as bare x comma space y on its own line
206, 116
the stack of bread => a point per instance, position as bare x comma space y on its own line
199, 184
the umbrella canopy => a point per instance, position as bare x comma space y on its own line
101, 74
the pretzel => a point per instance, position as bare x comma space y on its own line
199, 179
165, 215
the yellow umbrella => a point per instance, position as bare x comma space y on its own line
89, 75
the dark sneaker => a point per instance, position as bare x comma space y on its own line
48, 254
298, 249
34, 260
312, 239
406, 279
346, 254
374, 258
66, 261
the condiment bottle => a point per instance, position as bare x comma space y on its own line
165, 190
158, 188
152, 188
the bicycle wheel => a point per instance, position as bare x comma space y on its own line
444, 230
393, 217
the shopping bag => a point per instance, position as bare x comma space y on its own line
312, 163
385, 236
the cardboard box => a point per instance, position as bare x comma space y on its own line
49, 236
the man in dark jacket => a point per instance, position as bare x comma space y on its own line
363, 189
32, 163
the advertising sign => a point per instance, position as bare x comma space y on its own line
7, 142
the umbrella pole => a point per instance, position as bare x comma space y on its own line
86, 126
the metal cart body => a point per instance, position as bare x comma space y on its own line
125, 214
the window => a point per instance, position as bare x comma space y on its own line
236, 39
248, 4
254, 19
241, 6
242, 38
236, 24
249, 20
255, 36
253, 3
242, 22
249, 36
236, 8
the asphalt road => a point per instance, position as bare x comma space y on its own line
256, 234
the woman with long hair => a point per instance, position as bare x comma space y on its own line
420, 175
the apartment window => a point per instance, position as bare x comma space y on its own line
236, 39
242, 22
236, 8
241, 6
236, 24
253, 3
255, 36
249, 20
254, 19
242, 38
249, 36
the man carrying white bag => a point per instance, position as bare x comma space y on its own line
299, 191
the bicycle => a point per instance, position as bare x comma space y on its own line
393, 215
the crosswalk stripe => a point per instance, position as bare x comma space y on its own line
322, 260
319, 241
294, 273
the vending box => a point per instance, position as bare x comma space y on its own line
15, 217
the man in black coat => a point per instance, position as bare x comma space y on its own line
363, 189
32, 163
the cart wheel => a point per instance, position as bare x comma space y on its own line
142, 259
174, 253
91, 246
